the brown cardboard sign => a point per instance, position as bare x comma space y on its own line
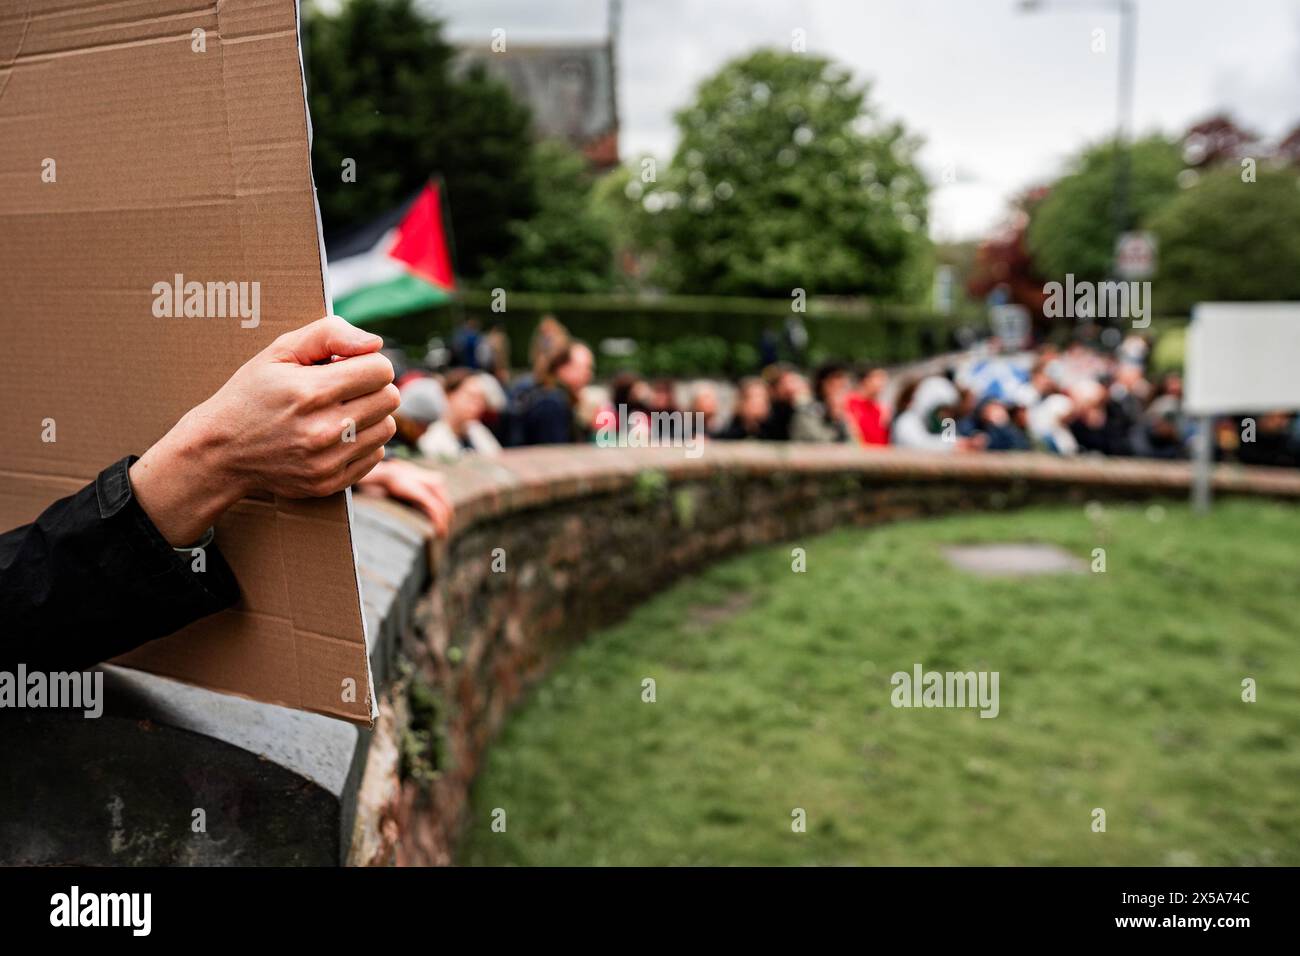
148, 144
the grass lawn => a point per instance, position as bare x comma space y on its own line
1119, 690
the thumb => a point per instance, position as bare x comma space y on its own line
324, 338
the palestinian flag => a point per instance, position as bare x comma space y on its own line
400, 263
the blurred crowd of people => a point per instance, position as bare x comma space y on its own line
1088, 399
1067, 401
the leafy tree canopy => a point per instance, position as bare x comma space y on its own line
783, 179
1227, 239
566, 246
383, 93
1073, 229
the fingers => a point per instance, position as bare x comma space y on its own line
324, 338
440, 514
333, 480
434, 499
417, 486
374, 407
377, 480
367, 440
433, 479
342, 381
434, 508
358, 469
439, 511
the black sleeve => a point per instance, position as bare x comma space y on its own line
92, 578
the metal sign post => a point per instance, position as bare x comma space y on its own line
1203, 464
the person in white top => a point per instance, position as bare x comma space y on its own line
934, 399
461, 429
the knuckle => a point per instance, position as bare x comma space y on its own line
321, 436
329, 324
302, 395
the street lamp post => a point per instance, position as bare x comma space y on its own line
1127, 10
1124, 106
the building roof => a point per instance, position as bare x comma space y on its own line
570, 89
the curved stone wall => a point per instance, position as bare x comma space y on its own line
550, 543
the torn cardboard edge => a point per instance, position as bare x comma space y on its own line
329, 310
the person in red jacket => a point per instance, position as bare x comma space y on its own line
869, 416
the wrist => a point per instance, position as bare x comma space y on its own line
183, 483
200, 438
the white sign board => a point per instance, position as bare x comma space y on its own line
1243, 357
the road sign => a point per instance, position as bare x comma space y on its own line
1010, 323
1135, 255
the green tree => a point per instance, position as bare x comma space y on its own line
383, 93
639, 240
566, 245
784, 178
1073, 229
1225, 239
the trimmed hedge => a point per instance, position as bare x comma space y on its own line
702, 335
692, 334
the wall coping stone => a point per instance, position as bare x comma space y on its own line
483, 488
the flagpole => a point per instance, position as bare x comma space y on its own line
444, 210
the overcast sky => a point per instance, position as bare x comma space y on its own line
1002, 95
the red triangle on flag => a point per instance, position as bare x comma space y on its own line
422, 241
